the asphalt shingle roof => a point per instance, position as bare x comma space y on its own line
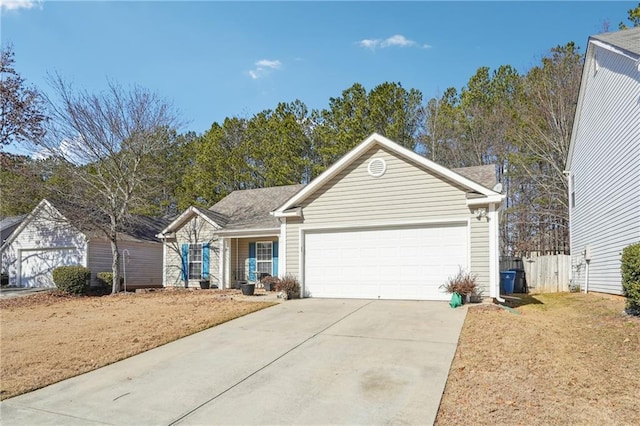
628, 39
484, 175
251, 208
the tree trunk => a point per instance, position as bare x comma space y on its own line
115, 266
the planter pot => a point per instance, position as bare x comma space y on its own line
248, 289
268, 287
239, 284
204, 284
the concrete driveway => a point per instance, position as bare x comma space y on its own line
310, 361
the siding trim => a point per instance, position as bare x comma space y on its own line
494, 229
282, 248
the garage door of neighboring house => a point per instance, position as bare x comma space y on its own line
384, 263
36, 265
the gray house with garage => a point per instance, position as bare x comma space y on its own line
46, 239
382, 223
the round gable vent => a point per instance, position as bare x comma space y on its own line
377, 167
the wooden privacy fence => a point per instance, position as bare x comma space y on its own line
547, 274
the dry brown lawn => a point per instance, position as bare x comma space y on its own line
48, 337
564, 359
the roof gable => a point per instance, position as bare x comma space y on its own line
216, 220
625, 43
42, 205
376, 139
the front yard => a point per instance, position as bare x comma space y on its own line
47, 337
564, 359
560, 359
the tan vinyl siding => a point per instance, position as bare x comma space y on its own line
606, 170
203, 233
406, 193
480, 253
142, 265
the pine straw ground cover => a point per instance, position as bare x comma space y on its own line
48, 337
566, 359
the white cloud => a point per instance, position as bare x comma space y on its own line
263, 67
19, 4
397, 40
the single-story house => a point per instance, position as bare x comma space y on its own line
381, 223
603, 163
45, 239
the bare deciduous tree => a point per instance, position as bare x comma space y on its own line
107, 141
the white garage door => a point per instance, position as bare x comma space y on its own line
387, 263
36, 265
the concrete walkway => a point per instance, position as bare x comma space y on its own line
311, 361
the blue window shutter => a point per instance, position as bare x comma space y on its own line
185, 262
205, 261
275, 258
252, 261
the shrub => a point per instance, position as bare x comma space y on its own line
289, 285
630, 271
462, 283
72, 279
105, 281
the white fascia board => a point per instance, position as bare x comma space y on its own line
492, 199
249, 233
614, 49
576, 119
184, 217
390, 145
295, 212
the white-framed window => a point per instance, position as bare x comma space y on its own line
264, 257
195, 261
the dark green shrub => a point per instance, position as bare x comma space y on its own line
289, 285
105, 282
72, 279
630, 270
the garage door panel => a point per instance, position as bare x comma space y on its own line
391, 263
36, 266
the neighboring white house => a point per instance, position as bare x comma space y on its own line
603, 164
45, 239
381, 223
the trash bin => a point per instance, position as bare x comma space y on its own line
507, 279
519, 284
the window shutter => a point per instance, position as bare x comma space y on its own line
205, 261
252, 261
275, 258
185, 262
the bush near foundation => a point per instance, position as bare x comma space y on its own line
630, 270
72, 279
105, 281
289, 285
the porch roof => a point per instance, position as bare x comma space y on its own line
250, 209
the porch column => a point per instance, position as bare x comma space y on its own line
225, 263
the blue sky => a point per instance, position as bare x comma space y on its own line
220, 59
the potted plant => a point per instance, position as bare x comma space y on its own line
270, 283
463, 283
248, 289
